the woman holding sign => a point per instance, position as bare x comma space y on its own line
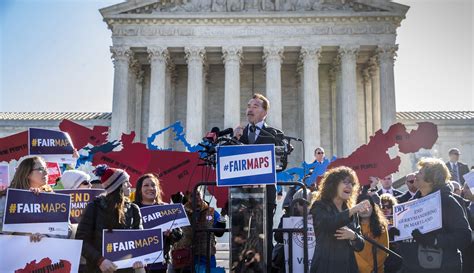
112, 211
149, 193
336, 224
32, 175
438, 250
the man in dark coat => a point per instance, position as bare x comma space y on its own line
456, 168
258, 132
410, 182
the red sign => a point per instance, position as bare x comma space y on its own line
54, 172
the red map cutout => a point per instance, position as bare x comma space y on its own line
14, 147
83, 135
372, 159
46, 265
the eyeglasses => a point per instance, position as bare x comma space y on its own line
41, 169
348, 181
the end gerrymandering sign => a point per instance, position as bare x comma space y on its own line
424, 214
126, 246
246, 165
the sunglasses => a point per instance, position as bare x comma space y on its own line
41, 169
85, 183
320, 153
387, 206
410, 181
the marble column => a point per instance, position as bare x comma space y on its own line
333, 71
139, 74
386, 56
121, 59
311, 120
195, 58
347, 101
273, 57
158, 57
367, 103
375, 86
232, 56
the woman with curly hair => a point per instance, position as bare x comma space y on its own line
336, 224
374, 225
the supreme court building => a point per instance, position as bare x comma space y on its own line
327, 67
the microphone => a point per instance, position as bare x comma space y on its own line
292, 138
228, 131
212, 135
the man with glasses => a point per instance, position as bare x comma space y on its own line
410, 182
319, 155
456, 168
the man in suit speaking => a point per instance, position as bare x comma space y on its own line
258, 132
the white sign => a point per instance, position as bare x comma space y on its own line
469, 180
424, 214
18, 254
298, 243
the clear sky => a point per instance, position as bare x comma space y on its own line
54, 56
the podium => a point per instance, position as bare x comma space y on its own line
250, 172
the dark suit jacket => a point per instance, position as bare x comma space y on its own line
394, 191
264, 135
404, 198
462, 168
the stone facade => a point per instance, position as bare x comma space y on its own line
325, 65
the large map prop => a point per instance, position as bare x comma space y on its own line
181, 171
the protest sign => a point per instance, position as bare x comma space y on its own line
4, 175
165, 217
79, 200
124, 246
54, 172
297, 243
424, 214
469, 180
54, 146
45, 213
48, 255
246, 165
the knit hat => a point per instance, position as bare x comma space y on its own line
111, 178
72, 179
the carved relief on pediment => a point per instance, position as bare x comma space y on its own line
253, 6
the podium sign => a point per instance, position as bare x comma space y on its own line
246, 165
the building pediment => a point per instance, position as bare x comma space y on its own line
188, 7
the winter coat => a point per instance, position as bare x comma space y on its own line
455, 235
330, 254
94, 221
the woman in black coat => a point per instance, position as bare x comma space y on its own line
112, 211
336, 224
446, 243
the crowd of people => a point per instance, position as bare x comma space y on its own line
353, 224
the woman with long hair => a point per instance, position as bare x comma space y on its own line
31, 175
335, 222
148, 193
373, 225
110, 211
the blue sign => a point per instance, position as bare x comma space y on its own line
246, 165
126, 246
45, 213
166, 217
